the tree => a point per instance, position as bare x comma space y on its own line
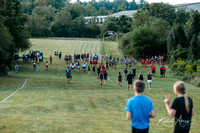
193, 32
14, 38
144, 42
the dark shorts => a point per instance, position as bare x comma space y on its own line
130, 82
68, 76
119, 80
181, 131
153, 71
135, 130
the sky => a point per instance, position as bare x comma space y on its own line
173, 2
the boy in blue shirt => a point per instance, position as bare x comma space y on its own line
139, 109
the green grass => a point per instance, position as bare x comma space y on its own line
48, 104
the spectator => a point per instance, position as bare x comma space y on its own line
139, 109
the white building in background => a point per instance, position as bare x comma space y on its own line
102, 19
194, 6
129, 13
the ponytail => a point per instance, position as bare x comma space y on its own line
180, 87
187, 107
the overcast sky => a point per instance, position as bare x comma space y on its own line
165, 1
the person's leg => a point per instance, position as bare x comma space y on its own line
149, 86
128, 87
105, 82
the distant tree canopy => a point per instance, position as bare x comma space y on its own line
61, 18
14, 37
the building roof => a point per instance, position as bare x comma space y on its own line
194, 6
128, 13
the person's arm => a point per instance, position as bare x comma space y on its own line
128, 115
152, 114
171, 112
192, 111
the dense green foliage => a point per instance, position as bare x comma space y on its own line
60, 18
162, 30
13, 36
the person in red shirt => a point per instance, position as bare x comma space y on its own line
50, 58
104, 70
91, 62
142, 62
153, 68
149, 62
163, 67
100, 66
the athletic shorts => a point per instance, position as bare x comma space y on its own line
130, 82
68, 76
119, 80
46, 65
153, 71
149, 81
135, 130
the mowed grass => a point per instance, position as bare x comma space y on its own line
48, 104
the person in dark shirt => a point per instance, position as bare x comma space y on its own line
140, 77
125, 73
181, 109
120, 79
101, 77
149, 79
161, 71
105, 75
130, 80
98, 71
134, 72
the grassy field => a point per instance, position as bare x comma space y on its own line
48, 104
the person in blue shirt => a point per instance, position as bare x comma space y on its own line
68, 74
139, 109
16, 68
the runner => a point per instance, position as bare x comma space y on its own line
68, 74
88, 69
34, 66
130, 80
16, 68
125, 73
93, 69
153, 68
98, 72
134, 72
149, 79
105, 75
47, 65
101, 77
50, 58
140, 76
163, 67
161, 71
120, 79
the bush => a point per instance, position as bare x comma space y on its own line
188, 69
3, 70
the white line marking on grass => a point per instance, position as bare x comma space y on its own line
14, 92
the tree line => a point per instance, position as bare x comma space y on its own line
60, 18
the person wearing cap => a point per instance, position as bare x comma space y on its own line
68, 74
